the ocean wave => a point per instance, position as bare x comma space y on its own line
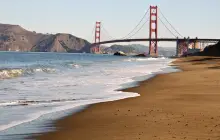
75, 65
12, 73
46, 70
32, 102
135, 59
34, 116
143, 59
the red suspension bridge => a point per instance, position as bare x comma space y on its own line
182, 43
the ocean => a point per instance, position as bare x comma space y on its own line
38, 88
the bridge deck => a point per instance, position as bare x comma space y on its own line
158, 39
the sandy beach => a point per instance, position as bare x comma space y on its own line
181, 105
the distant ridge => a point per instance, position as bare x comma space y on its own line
16, 38
138, 49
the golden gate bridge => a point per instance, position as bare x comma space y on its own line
183, 44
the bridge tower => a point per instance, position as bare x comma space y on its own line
97, 36
153, 31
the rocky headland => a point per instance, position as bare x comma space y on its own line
16, 38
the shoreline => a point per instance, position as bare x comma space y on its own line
151, 116
36, 125
135, 83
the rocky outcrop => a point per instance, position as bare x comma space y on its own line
62, 43
140, 55
120, 53
211, 50
16, 38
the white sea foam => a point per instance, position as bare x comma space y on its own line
75, 65
34, 116
9, 103
47, 70
12, 73
8, 73
144, 59
98, 82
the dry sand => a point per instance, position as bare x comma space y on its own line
182, 105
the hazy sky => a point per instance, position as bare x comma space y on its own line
190, 17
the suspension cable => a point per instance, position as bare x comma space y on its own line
138, 29
136, 25
169, 23
106, 32
167, 27
93, 31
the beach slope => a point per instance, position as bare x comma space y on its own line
181, 105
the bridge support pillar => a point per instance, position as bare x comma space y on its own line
153, 31
96, 49
177, 48
182, 48
196, 45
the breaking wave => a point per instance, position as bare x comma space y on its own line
9, 73
32, 102
74, 65
144, 59
12, 73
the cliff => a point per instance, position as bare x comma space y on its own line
211, 50
16, 38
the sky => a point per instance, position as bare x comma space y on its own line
193, 18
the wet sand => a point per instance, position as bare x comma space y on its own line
182, 105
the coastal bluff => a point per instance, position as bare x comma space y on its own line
210, 50
16, 38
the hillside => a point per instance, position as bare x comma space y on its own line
138, 49
134, 48
16, 38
